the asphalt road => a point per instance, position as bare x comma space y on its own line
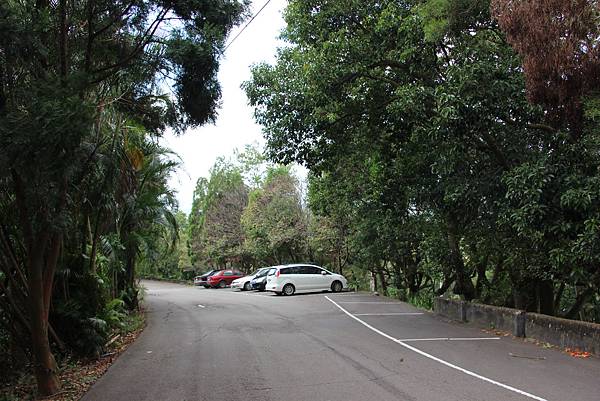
221, 345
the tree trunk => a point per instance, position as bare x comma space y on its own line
448, 280
558, 297
545, 297
582, 297
464, 286
45, 365
382, 282
524, 290
373, 282
39, 283
93, 253
482, 280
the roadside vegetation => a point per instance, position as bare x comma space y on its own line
453, 146
452, 149
86, 90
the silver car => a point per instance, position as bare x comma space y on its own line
243, 283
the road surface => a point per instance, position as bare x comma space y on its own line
221, 345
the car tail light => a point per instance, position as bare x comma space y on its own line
277, 273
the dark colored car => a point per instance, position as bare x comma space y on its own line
203, 279
223, 278
260, 281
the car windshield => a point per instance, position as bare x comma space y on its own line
270, 272
262, 273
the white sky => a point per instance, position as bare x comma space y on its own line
235, 126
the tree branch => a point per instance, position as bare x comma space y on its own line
145, 39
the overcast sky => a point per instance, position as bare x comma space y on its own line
235, 126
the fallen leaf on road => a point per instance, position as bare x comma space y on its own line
576, 353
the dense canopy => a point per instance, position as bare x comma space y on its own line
414, 122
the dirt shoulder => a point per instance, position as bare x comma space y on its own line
78, 375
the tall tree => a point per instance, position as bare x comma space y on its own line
62, 66
561, 57
274, 222
216, 236
413, 129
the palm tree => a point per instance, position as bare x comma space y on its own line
145, 203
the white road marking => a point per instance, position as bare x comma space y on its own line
353, 294
201, 306
448, 339
363, 302
390, 314
252, 294
425, 354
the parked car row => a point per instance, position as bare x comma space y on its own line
284, 279
254, 281
217, 278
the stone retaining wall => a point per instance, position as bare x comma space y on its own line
564, 333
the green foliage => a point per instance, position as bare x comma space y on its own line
215, 232
449, 17
85, 90
114, 313
429, 168
274, 223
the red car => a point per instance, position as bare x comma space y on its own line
223, 278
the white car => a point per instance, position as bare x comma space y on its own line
289, 279
243, 283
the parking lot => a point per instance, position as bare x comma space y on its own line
219, 344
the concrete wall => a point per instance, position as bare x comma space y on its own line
561, 332
505, 319
452, 309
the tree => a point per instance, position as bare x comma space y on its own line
196, 219
252, 164
414, 121
274, 222
63, 66
216, 235
413, 117
144, 209
561, 59
552, 196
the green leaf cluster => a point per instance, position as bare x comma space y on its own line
425, 155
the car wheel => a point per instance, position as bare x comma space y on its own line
222, 284
247, 286
336, 286
288, 289
206, 286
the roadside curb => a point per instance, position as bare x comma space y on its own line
167, 280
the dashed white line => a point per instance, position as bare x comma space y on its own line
201, 306
434, 358
390, 314
448, 339
251, 294
352, 294
367, 302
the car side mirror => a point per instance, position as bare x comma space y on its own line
323, 273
